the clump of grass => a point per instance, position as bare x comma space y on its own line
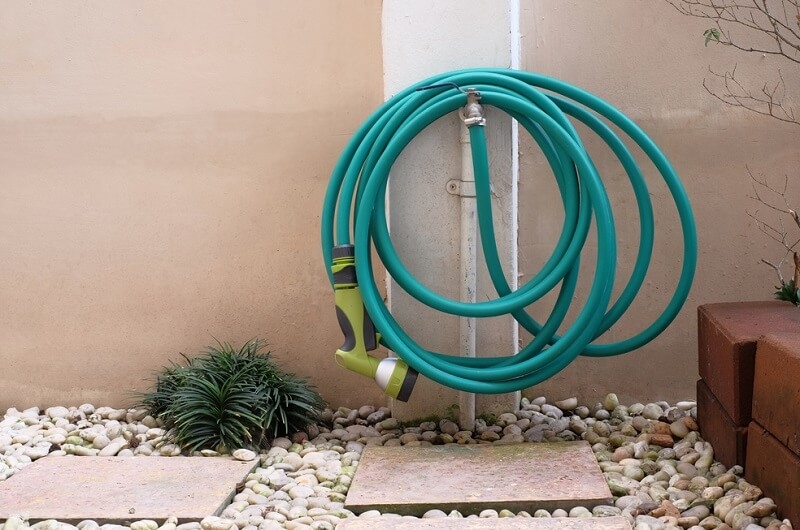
227, 398
788, 291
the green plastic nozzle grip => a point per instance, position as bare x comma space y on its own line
360, 335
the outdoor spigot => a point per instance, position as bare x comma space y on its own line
393, 375
473, 111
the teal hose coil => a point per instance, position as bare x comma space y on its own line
354, 213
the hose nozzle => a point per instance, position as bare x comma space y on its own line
393, 375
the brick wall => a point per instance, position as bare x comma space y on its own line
748, 395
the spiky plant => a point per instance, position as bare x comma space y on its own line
788, 291
228, 398
168, 381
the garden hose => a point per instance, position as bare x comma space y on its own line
354, 221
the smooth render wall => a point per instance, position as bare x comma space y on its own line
162, 168
649, 61
162, 172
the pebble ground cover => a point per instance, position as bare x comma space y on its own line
661, 472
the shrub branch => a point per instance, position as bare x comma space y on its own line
735, 23
776, 200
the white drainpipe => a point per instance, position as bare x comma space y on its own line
468, 262
411, 28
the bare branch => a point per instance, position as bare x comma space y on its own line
777, 269
796, 277
771, 101
776, 199
769, 28
781, 29
776, 234
780, 194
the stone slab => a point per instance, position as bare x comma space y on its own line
118, 489
776, 388
471, 478
717, 428
775, 469
509, 523
727, 334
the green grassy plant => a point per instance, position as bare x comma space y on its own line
788, 291
228, 398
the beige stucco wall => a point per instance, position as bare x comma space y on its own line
649, 61
163, 167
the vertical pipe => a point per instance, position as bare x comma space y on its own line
468, 265
409, 30
516, 64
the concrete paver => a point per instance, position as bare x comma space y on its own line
471, 478
506, 523
117, 489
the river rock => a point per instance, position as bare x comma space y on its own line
678, 429
568, 404
309, 479
761, 508
217, 523
244, 455
57, 412
144, 524
611, 402
652, 411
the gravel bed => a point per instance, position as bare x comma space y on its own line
661, 472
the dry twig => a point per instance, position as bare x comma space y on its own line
775, 199
766, 27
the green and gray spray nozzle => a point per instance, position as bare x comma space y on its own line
393, 375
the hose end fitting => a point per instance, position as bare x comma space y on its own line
473, 111
396, 378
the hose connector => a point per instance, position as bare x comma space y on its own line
393, 375
473, 111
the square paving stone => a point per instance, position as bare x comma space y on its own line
509, 523
472, 478
117, 489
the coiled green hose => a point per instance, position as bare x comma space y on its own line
355, 201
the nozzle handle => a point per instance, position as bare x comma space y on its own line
360, 335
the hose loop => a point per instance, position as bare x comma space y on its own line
354, 212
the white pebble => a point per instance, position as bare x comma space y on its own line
245, 455
57, 412
568, 404
144, 524
217, 523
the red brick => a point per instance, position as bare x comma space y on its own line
727, 336
728, 439
776, 388
774, 469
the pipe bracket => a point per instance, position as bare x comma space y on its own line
462, 188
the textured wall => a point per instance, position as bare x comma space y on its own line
163, 167
649, 61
